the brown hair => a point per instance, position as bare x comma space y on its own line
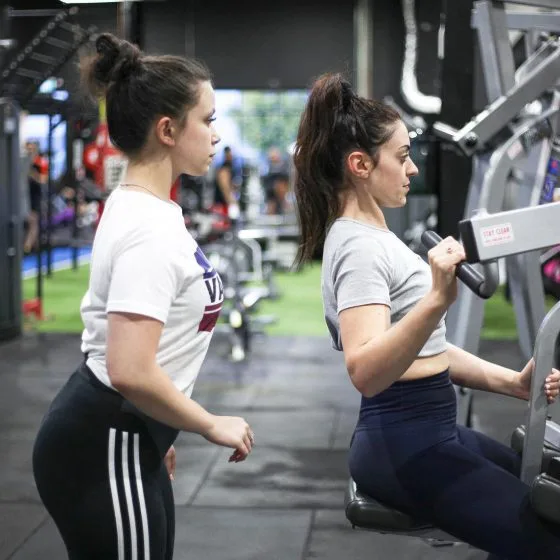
335, 122
139, 88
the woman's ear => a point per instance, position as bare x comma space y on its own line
359, 164
166, 131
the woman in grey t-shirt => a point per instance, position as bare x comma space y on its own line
385, 310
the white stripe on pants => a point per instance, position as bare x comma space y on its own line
127, 472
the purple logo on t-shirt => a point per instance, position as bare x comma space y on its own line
215, 291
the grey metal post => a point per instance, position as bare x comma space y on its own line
496, 52
363, 47
538, 407
466, 315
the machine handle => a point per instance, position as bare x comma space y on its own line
464, 271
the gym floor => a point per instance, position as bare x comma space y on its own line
286, 502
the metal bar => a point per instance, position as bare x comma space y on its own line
68, 26
40, 245
363, 47
466, 316
495, 49
74, 161
554, 4
493, 236
527, 297
26, 73
33, 13
45, 58
54, 42
49, 195
535, 58
533, 21
524, 270
552, 434
478, 131
538, 406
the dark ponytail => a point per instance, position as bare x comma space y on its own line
139, 88
335, 121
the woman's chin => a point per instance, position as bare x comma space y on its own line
197, 171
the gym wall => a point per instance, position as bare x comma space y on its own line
247, 45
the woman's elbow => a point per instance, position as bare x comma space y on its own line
359, 379
118, 377
121, 374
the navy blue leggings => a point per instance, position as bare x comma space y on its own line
409, 453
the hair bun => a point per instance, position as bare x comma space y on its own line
117, 59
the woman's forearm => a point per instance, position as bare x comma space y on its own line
154, 394
470, 371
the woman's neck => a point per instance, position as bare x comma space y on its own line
157, 177
362, 209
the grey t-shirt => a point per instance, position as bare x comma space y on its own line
363, 265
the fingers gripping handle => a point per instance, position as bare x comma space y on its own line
465, 272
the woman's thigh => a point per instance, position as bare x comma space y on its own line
108, 491
464, 485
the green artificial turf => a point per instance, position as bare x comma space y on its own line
298, 311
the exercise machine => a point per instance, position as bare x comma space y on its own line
487, 237
510, 142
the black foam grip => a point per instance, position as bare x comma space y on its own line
464, 271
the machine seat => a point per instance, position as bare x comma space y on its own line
549, 452
365, 512
545, 492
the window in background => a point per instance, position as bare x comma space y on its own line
36, 128
253, 121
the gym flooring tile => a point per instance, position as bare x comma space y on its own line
331, 538
16, 474
193, 465
285, 502
17, 523
240, 534
278, 478
42, 544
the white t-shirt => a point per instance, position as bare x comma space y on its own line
145, 261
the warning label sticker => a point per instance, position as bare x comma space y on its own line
497, 235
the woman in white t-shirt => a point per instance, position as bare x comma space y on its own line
104, 457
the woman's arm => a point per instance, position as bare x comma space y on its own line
376, 355
468, 370
132, 342
471, 371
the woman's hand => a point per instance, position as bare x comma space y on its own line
234, 432
551, 384
443, 259
170, 461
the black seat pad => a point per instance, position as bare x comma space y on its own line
545, 497
549, 452
365, 512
